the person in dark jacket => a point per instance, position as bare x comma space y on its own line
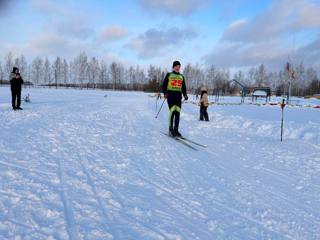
173, 87
16, 81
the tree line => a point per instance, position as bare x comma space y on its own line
92, 72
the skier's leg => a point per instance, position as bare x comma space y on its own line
171, 115
170, 105
18, 98
201, 113
206, 116
177, 118
13, 98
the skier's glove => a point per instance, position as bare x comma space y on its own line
165, 95
186, 98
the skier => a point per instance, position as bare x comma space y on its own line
173, 88
16, 81
204, 105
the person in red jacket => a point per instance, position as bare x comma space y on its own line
173, 87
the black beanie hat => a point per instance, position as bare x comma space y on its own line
15, 69
175, 63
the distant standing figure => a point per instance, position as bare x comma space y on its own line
204, 103
16, 82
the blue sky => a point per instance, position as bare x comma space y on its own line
233, 34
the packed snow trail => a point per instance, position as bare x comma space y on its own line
77, 165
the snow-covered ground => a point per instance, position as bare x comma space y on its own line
294, 101
79, 164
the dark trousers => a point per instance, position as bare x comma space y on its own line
204, 114
16, 98
174, 112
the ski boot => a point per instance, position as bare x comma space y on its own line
177, 133
172, 133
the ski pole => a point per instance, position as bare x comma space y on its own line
160, 108
282, 108
157, 104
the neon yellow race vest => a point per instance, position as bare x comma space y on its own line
175, 82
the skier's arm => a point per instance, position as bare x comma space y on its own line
165, 84
201, 100
184, 89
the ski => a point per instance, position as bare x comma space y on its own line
194, 142
184, 142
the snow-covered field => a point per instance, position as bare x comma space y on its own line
76, 164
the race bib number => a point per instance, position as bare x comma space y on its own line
175, 83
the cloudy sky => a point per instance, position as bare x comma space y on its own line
234, 34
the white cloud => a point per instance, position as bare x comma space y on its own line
173, 7
264, 39
112, 33
48, 7
263, 27
74, 27
240, 55
282, 17
310, 53
154, 41
50, 44
308, 16
63, 20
